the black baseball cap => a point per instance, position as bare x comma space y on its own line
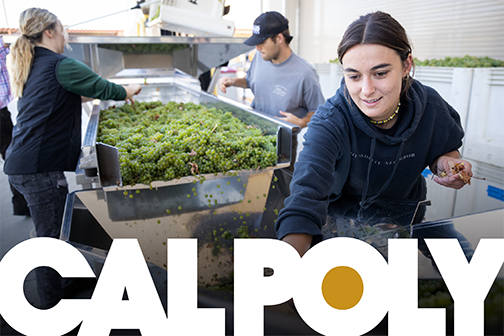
266, 25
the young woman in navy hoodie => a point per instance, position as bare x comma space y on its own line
366, 147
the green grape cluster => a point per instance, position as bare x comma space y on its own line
145, 48
494, 306
433, 293
462, 62
161, 142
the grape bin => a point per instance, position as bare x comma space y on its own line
223, 206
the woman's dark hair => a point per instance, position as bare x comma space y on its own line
378, 28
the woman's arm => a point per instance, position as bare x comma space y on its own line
131, 90
78, 78
314, 182
300, 241
443, 164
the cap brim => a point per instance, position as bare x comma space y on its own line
255, 40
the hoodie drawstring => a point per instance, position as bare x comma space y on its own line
366, 202
370, 165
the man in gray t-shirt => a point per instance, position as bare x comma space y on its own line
284, 85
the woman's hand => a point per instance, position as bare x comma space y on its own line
444, 175
131, 90
300, 241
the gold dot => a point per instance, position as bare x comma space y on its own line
342, 287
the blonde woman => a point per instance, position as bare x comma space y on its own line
46, 140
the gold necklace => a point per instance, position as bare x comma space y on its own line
379, 122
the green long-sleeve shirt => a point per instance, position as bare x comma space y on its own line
78, 78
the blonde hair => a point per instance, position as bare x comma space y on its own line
32, 24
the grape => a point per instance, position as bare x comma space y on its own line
462, 62
433, 293
161, 142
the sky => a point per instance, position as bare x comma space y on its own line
72, 12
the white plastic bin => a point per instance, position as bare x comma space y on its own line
330, 76
481, 195
453, 84
484, 140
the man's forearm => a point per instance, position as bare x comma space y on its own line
240, 82
306, 119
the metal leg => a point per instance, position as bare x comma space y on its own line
215, 80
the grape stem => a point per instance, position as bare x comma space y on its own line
194, 168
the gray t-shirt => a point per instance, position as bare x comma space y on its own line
291, 86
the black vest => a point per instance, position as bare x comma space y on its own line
47, 135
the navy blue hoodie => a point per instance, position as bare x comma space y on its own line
349, 168
47, 135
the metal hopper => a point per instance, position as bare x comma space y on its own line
241, 204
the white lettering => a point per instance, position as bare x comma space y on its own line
15, 266
468, 283
302, 279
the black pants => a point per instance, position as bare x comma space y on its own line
18, 201
46, 194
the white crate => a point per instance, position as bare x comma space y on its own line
453, 84
481, 195
330, 76
484, 140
